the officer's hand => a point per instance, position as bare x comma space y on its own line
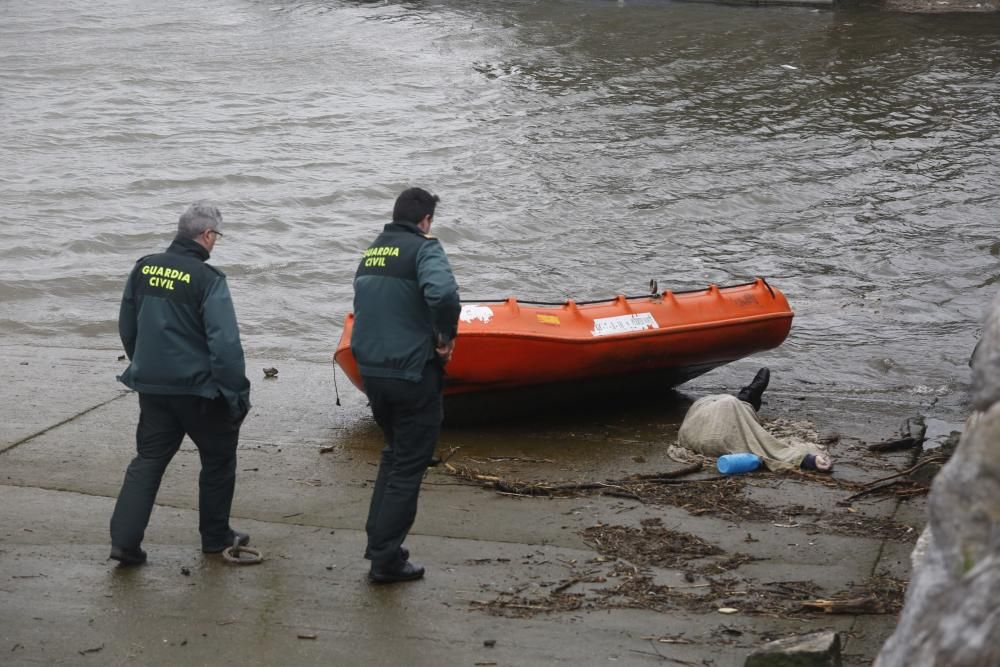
445, 350
244, 410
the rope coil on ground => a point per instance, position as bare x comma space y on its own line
239, 555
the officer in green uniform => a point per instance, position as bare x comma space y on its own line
179, 330
406, 309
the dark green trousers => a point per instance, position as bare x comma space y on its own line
163, 423
409, 414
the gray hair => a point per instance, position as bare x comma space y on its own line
198, 217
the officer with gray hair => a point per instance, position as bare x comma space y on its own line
178, 326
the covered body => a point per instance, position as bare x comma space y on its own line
723, 424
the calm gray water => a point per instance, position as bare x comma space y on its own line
580, 148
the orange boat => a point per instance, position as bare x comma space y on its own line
667, 338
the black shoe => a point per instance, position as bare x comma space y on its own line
404, 554
234, 536
753, 392
128, 556
401, 571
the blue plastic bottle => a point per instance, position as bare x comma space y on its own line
735, 464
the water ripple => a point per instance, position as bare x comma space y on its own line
580, 149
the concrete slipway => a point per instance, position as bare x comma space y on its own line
67, 435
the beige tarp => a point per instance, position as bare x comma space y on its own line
723, 424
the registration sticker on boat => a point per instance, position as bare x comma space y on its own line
547, 319
607, 326
473, 313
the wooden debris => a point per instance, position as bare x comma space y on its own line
609, 487
878, 595
862, 605
509, 459
669, 639
714, 496
878, 484
668, 475
586, 576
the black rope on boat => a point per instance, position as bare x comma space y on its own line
336, 390
764, 280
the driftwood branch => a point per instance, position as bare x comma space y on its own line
862, 605
663, 476
878, 485
614, 487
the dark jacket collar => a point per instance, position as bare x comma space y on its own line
189, 247
402, 225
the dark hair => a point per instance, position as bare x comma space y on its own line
413, 204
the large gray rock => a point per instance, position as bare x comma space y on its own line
986, 362
816, 649
952, 615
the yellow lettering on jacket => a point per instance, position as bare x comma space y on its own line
163, 283
381, 251
166, 273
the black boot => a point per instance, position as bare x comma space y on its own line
232, 539
128, 557
395, 572
752, 392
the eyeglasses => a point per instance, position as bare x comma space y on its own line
214, 231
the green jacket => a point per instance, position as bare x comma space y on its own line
405, 299
179, 328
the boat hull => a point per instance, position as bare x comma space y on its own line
669, 338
